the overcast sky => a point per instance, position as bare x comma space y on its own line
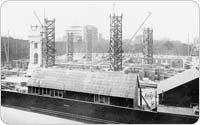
169, 19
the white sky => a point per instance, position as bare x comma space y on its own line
169, 19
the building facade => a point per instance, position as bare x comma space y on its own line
94, 33
35, 42
77, 32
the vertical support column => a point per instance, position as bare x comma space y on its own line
148, 45
115, 48
156, 100
140, 97
49, 43
70, 47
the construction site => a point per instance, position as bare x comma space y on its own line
116, 77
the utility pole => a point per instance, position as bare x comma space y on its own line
5, 50
8, 49
188, 45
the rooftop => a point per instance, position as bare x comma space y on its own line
115, 84
178, 80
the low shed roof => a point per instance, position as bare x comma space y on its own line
115, 84
178, 80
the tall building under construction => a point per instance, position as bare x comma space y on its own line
70, 46
77, 32
90, 36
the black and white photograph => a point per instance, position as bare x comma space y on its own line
99, 62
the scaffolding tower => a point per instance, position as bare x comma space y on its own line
89, 44
148, 45
115, 47
48, 43
70, 46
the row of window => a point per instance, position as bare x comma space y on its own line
81, 96
46, 91
59, 93
158, 60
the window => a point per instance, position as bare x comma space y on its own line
102, 99
37, 90
168, 60
56, 92
48, 91
44, 91
154, 61
35, 45
107, 100
96, 98
164, 61
34, 91
30, 89
52, 92
60, 93
40, 91
35, 58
